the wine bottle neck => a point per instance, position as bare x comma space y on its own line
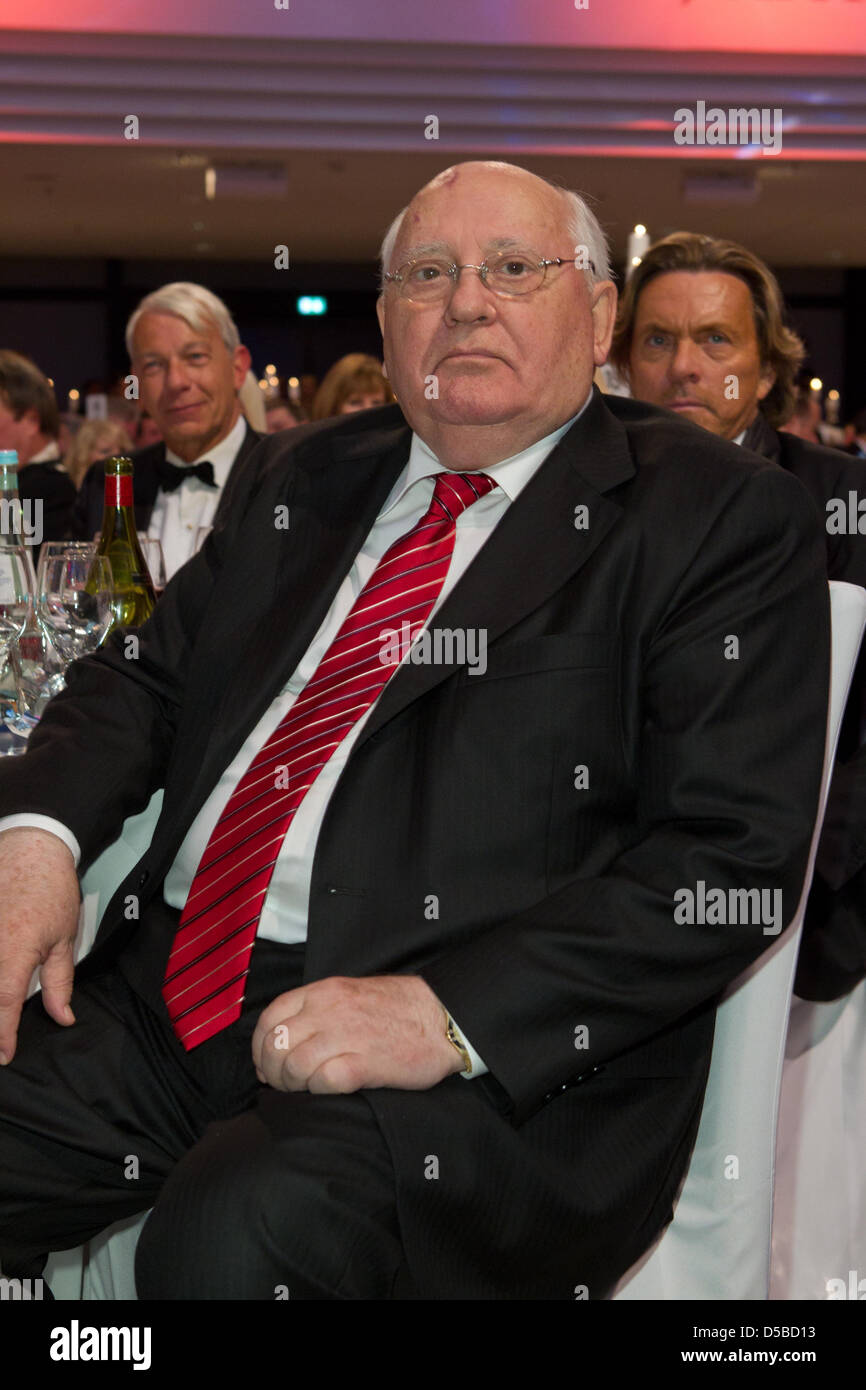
118, 490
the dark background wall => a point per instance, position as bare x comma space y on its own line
69, 316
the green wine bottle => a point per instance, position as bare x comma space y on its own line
133, 588
12, 528
10, 503
12, 532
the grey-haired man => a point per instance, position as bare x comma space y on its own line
186, 353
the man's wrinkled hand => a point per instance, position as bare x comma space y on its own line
39, 906
339, 1035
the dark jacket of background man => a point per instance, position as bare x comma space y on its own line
29, 423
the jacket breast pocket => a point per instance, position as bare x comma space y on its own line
546, 711
559, 699
538, 655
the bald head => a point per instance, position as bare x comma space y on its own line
482, 375
578, 223
474, 179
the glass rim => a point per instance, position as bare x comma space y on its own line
68, 545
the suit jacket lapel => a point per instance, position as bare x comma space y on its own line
535, 549
145, 482
285, 585
236, 478
762, 439
331, 512
288, 581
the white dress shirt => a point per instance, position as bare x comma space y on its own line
177, 515
286, 905
48, 454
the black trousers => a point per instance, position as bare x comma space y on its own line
257, 1193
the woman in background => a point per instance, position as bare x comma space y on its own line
96, 439
355, 382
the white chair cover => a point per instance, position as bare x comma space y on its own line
718, 1244
819, 1214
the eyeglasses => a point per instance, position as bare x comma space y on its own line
509, 274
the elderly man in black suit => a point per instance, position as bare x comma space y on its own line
186, 352
402, 1000
700, 330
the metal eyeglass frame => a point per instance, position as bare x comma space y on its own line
399, 275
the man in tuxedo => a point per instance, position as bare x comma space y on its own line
700, 330
405, 998
30, 423
186, 352
855, 435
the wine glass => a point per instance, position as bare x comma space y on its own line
52, 549
74, 602
151, 549
37, 670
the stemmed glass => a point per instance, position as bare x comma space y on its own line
74, 601
51, 550
39, 659
151, 549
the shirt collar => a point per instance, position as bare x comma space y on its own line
47, 454
512, 474
221, 455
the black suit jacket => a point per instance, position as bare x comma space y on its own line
48, 484
460, 844
832, 956
87, 516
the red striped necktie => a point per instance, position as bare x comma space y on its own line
206, 973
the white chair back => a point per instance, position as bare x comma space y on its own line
819, 1211
718, 1244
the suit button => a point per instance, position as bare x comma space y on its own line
143, 877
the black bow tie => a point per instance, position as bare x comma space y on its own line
171, 475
